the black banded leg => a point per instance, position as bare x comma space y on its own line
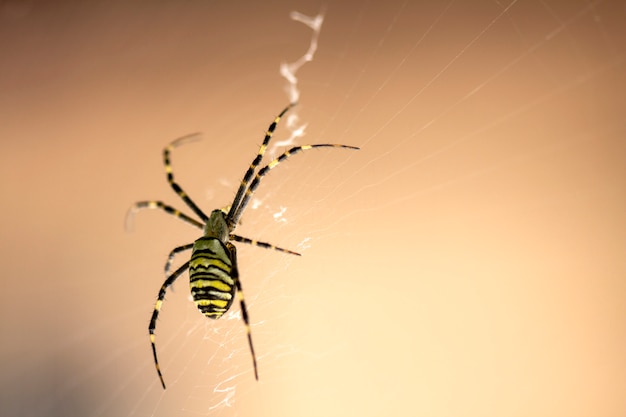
263, 171
173, 253
242, 302
161, 206
265, 245
255, 163
170, 174
155, 314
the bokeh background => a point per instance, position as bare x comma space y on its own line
469, 260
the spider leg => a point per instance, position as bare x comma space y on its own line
155, 314
173, 253
244, 311
170, 174
161, 206
265, 245
263, 171
257, 160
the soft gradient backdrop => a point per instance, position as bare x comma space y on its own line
470, 260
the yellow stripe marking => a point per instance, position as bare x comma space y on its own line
210, 262
217, 284
218, 303
220, 264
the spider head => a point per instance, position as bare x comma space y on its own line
216, 226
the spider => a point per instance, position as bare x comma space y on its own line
213, 272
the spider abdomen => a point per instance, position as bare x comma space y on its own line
210, 279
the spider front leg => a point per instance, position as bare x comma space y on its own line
236, 211
255, 162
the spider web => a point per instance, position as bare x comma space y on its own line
468, 260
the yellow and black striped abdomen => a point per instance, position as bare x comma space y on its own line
212, 287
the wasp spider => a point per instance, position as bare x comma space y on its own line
213, 273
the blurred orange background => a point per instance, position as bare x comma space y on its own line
469, 260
